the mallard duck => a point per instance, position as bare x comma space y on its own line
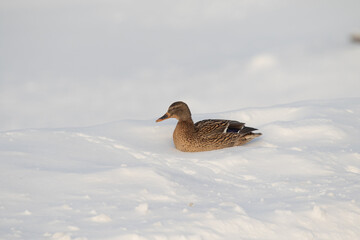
207, 134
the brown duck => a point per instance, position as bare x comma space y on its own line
207, 134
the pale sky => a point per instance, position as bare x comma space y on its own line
75, 63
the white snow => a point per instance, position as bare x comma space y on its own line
125, 180
82, 82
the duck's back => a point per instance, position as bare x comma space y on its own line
218, 133
211, 126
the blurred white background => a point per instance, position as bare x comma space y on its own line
76, 63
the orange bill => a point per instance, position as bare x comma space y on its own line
166, 116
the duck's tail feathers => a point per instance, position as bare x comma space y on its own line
247, 138
246, 130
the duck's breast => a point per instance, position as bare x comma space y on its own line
184, 136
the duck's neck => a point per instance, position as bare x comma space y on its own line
188, 121
185, 126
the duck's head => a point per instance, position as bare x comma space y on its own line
178, 110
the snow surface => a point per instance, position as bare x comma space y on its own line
125, 179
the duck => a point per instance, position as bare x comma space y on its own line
206, 135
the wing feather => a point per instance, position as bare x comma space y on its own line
212, 126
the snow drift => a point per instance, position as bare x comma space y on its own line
125, 180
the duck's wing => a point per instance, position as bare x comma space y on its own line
212, 126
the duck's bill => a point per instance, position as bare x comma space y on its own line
166, 116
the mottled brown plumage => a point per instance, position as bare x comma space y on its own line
207, 134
